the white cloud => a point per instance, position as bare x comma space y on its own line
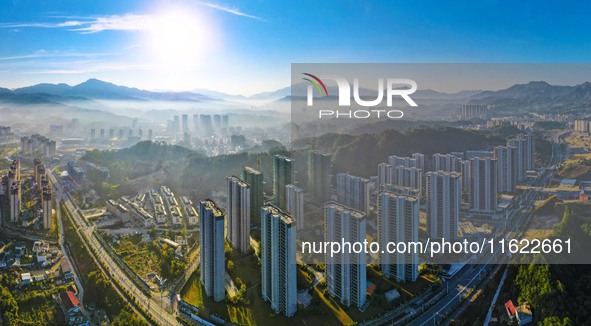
83, 67
54, 54
126, 22
232, 11
70, 23
87, 25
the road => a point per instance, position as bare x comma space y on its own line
66, 255
496, 296
148, 304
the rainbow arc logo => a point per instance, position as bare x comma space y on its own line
317, 82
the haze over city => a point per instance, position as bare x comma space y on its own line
296, 163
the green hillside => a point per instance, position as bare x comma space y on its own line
149, 164
559, 294
361, 154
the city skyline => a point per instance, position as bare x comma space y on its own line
237, 162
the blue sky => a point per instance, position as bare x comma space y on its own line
247, 46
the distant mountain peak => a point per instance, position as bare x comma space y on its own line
538, 83
95, 81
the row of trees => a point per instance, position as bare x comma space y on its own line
559, 294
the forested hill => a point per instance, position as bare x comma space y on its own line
361, 154
149, 164
152, 164
560, 295
145, 150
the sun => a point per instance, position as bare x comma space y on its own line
179, 38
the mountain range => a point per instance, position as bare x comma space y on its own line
98, 89
519, 96
537, 94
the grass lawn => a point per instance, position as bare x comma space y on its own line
579, 141
374, 309
407, 290
192, 293
258, 312
323, 310
304, 279
245, 268
335, 309
415, 288
541, 226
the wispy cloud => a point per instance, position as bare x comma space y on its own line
126, 22
88, 25
29, 24
55, 54
232, 11
87, 69
80, 67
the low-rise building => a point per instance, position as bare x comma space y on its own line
123, 213
175, 215
69, 302
75, 172
111, 206
141, 216
192, 215
181, 240
585, 195
190, 211
510, 309
66, 269
177, 247
160, 214
26, 278
524, 314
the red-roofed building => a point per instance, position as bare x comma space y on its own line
510, 308
69, 302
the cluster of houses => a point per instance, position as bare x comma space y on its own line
61, 275
41, 255
155, 208
522, 314
572, 189
55, 267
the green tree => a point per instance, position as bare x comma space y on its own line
422, 268
9, 307
153, 232
534, 283
555, 321
128, 318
